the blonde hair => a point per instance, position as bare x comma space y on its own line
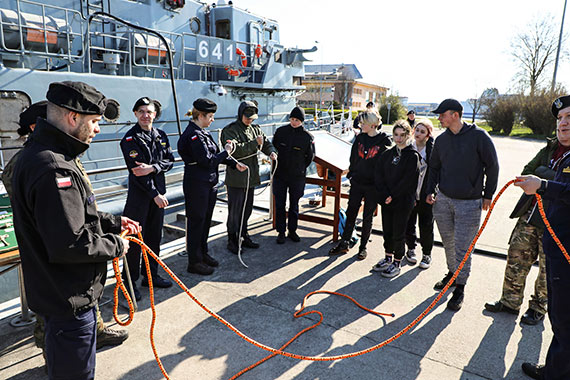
426, 123
195, 113
403, 124
370, 118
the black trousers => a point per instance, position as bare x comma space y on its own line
200, 200
357, 194
394, 223
151, 217
423, 212
236, 201
70, 344
558, 288
296, 187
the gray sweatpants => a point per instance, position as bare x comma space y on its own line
457, 221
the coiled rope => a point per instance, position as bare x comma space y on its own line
147, 251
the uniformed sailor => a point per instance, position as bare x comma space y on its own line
64, 241
248, 139
148, 156
557, 192
296, 151
202, 157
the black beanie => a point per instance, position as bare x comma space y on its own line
298, 113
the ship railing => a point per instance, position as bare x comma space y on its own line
97, 53
43, 33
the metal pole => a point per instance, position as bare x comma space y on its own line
558, 50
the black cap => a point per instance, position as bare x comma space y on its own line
560, 103
205, 105
448, 105
145, 101
251, 113
411, 112
29, 116
298, 113
369, 105
82, 98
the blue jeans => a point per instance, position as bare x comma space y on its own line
457, 221
70, 346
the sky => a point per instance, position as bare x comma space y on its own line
424, 50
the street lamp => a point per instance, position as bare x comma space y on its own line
558, 50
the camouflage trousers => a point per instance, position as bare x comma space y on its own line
525, 246
39, 328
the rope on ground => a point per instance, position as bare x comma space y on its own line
147, 251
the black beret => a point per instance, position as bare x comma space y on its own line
145, 101
560, 103
29, 116
298, 113
447, 105
205, 105
411, 112
82, 98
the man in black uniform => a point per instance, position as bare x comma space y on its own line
64, 241
557, 365
412, 118
148, 156
296, 151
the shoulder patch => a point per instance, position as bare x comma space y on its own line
133, 154
129, 138
63, 182
194, 137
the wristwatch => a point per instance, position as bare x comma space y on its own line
542, 188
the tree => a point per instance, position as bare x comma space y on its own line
478, 103
397, 110
535, 51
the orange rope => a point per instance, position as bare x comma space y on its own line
146, 250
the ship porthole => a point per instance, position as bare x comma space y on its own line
194, 25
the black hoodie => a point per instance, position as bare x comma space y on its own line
397, 175
459, 162
364, 157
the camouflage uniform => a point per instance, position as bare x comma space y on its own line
525, 246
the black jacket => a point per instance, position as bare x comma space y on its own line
558, 193
364, 156
64, 241
201, 155
295, 151
429, 149
149, 147
397, 174
464, 165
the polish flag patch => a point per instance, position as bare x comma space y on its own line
130, 138
194, 137
63, 182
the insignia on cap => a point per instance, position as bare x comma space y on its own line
63, 182
145, 100
133, 153
558, 103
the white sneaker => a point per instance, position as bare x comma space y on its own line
382, 264
392, 271
426, 262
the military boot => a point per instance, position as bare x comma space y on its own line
233, 245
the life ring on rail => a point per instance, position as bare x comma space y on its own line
241, 59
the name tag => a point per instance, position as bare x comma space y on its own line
566, 170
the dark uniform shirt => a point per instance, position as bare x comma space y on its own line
152, 148
295, 151
201, 154
64, 241
558, 193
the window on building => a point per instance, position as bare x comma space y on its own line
223, 29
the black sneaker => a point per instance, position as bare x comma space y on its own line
441, 284
200, 268
293, 236
456, 301
210, 261
281, 238
340, 249
499, 307
110, 337
157, 282
248, 243
411, 257
532, 317
362, 253
533, 370
426, 262
233, 246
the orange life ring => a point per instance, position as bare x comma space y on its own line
258, 51
242, 59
